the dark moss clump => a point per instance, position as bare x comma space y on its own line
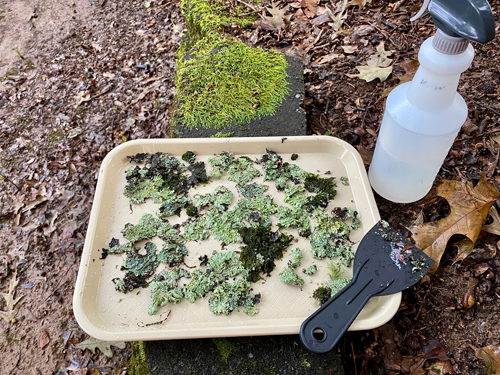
189, 157
294, 157
315, 184
138, 158
322, 294
318, 200
191, 211
262, 248
198, 174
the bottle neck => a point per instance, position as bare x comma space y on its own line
435, 84
432, 92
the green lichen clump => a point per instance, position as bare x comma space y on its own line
311, 270
281, 172
240, 170
227, 297
139, 268
288, 275
165, 289
220, 81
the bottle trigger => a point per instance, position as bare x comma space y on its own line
421, 12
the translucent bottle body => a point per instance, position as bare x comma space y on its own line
406, 162
421, 120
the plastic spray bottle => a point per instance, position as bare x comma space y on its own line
423, 117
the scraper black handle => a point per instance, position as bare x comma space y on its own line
323, 329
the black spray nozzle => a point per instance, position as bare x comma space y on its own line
469, 19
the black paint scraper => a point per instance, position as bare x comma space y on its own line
385, 263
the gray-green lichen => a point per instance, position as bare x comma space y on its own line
252, 190
240, 170
227, 297
281, 172
220, 267
165, 289
172, 253
288, 275
311, 270
173, 204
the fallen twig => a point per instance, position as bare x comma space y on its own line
141, 324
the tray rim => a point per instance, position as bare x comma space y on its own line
391, 305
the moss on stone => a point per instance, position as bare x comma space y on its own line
226, 348
138, 363
220, 81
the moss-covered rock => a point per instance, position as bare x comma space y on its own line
138, 364
221, 81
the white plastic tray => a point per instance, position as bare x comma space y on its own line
109, 315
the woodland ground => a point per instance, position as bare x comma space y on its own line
80, 78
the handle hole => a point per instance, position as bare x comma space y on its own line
319, 334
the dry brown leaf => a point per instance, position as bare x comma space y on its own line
277, 15
410, 66
469, 208
381, 57
369, 73
360, 3
491, 355
360, 31
327, 58
11, 302
464, 247
349, 49
310, 7
32, 204
494, 227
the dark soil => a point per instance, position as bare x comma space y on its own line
111, 79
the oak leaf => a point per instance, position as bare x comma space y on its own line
278, 15
469, 208
381, 57
11, 303
369, 73
310, 7
104, 346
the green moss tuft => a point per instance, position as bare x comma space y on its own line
138, 364
226, 349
